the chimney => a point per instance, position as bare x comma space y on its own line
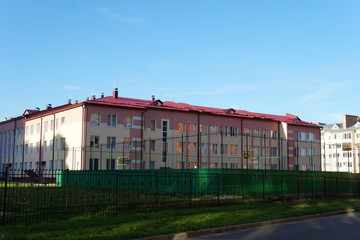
102, 95
87, 99
93, 97
152, 97
115, 93
48, 106
69, 101
76, 101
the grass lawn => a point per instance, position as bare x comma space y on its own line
129, 226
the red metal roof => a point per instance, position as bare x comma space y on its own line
167, 105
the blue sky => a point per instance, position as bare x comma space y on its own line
277, 57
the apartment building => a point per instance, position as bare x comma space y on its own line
113, 132
340, 145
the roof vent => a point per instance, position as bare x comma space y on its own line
37, 108
102, 95
152, 97
48, 106
69, 101
87, 99
93, 97
115, 93
157, 103
230, 111
76, 101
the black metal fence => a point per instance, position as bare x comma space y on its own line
62, 194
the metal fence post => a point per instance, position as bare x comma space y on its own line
218, 188
263, 177
298, 187
5, 195
190, 188
116, 191
156, 190
325, 186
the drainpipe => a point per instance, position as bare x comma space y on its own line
53, 143
198, 142
279, 149
142, 138
84, 130
13, 157
40, 144
241, 143
23, 149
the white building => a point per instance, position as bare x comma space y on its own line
340, 145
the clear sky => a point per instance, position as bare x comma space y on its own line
277, 57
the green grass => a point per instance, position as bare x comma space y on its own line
129, 226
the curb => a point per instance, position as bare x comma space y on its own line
197, 233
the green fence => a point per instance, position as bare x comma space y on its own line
223, 182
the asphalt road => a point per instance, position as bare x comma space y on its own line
345, 227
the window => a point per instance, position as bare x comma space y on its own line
37, 147
204, 147
51, 145
110, 164
31, 148
233, 149
214, 148
214, 129
128, 122
94, 141
256, 132
273, 151
128, 143
346, 146
94, 164
224, 130
153, 125
191, 128
234, 131
347, 136
111, 120
94, 119
51, 125
153, 145
180, 147
46, 126
27, 131
111, 142
246, 131
180, 127
303, 136
164, 156
45, 146
224, 149
38, 128
311, 137
62, 120
203, 129
164, 130
62, 143
26, 148
191, 147
273, 134
31, 129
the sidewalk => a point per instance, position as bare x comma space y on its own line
197, 233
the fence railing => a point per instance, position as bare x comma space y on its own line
181, 151
40, 196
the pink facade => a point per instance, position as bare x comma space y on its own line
99, 133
